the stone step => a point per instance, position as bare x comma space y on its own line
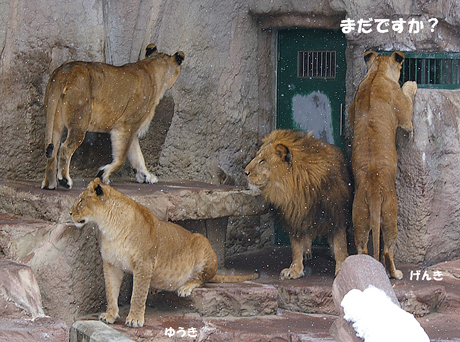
177, 326
244, 299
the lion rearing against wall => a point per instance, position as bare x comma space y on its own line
379, 107
309, 184
98, 97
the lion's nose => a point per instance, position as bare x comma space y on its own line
247, 173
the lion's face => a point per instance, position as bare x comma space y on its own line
260, 168
258, 171
87, 203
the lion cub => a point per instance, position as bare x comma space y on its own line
379, 107
160, 255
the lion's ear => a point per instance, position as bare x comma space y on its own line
398, 56
179, 57
369, 57
98, 190
283, 152
151, 48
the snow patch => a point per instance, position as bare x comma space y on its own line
377, 319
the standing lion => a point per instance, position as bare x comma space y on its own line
309, 184
379, 107
98, 97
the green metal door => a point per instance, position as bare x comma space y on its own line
311, 83
311, 75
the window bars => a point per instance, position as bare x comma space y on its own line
436, 70
316, 64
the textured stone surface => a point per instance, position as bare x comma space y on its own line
95, 331
44, 329
168, 201
65, 260
427, 182
241, 301
19, 292
284, 326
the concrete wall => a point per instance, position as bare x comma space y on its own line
210, 123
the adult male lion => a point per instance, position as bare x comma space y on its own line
308, 182
160, 255
99, 97
379, 107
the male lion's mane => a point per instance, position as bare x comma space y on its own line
302, 178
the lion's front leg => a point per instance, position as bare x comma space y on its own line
141, 284
136, 159
299, 248
406, 108
113, 277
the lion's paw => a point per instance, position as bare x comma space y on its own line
46, 185
410, 88
146, 177
108, 318
66, 183
397, 275
185, 291
134, 322
291, 273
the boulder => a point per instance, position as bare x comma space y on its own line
65, 261
19, 292
357, 272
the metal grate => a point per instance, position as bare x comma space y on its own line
436, 70
432, 70
316, 64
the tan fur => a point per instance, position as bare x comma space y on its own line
97, 97
160, 255
379, 107
308, 182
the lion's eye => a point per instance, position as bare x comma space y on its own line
261, 161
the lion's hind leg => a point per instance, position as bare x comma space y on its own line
50, 180
204, 266
186, 289
74, 139
361, 222
390, 234
121, 139
52, 151
338, 244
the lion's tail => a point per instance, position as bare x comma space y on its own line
226, 278
53, 99
375, 208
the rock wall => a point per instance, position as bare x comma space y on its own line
427, 182
210, 123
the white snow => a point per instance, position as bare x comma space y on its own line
377, 319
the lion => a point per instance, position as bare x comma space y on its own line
379, 107
98, 97
308, 182
162, 256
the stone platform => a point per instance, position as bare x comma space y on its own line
34, 230
299, 310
